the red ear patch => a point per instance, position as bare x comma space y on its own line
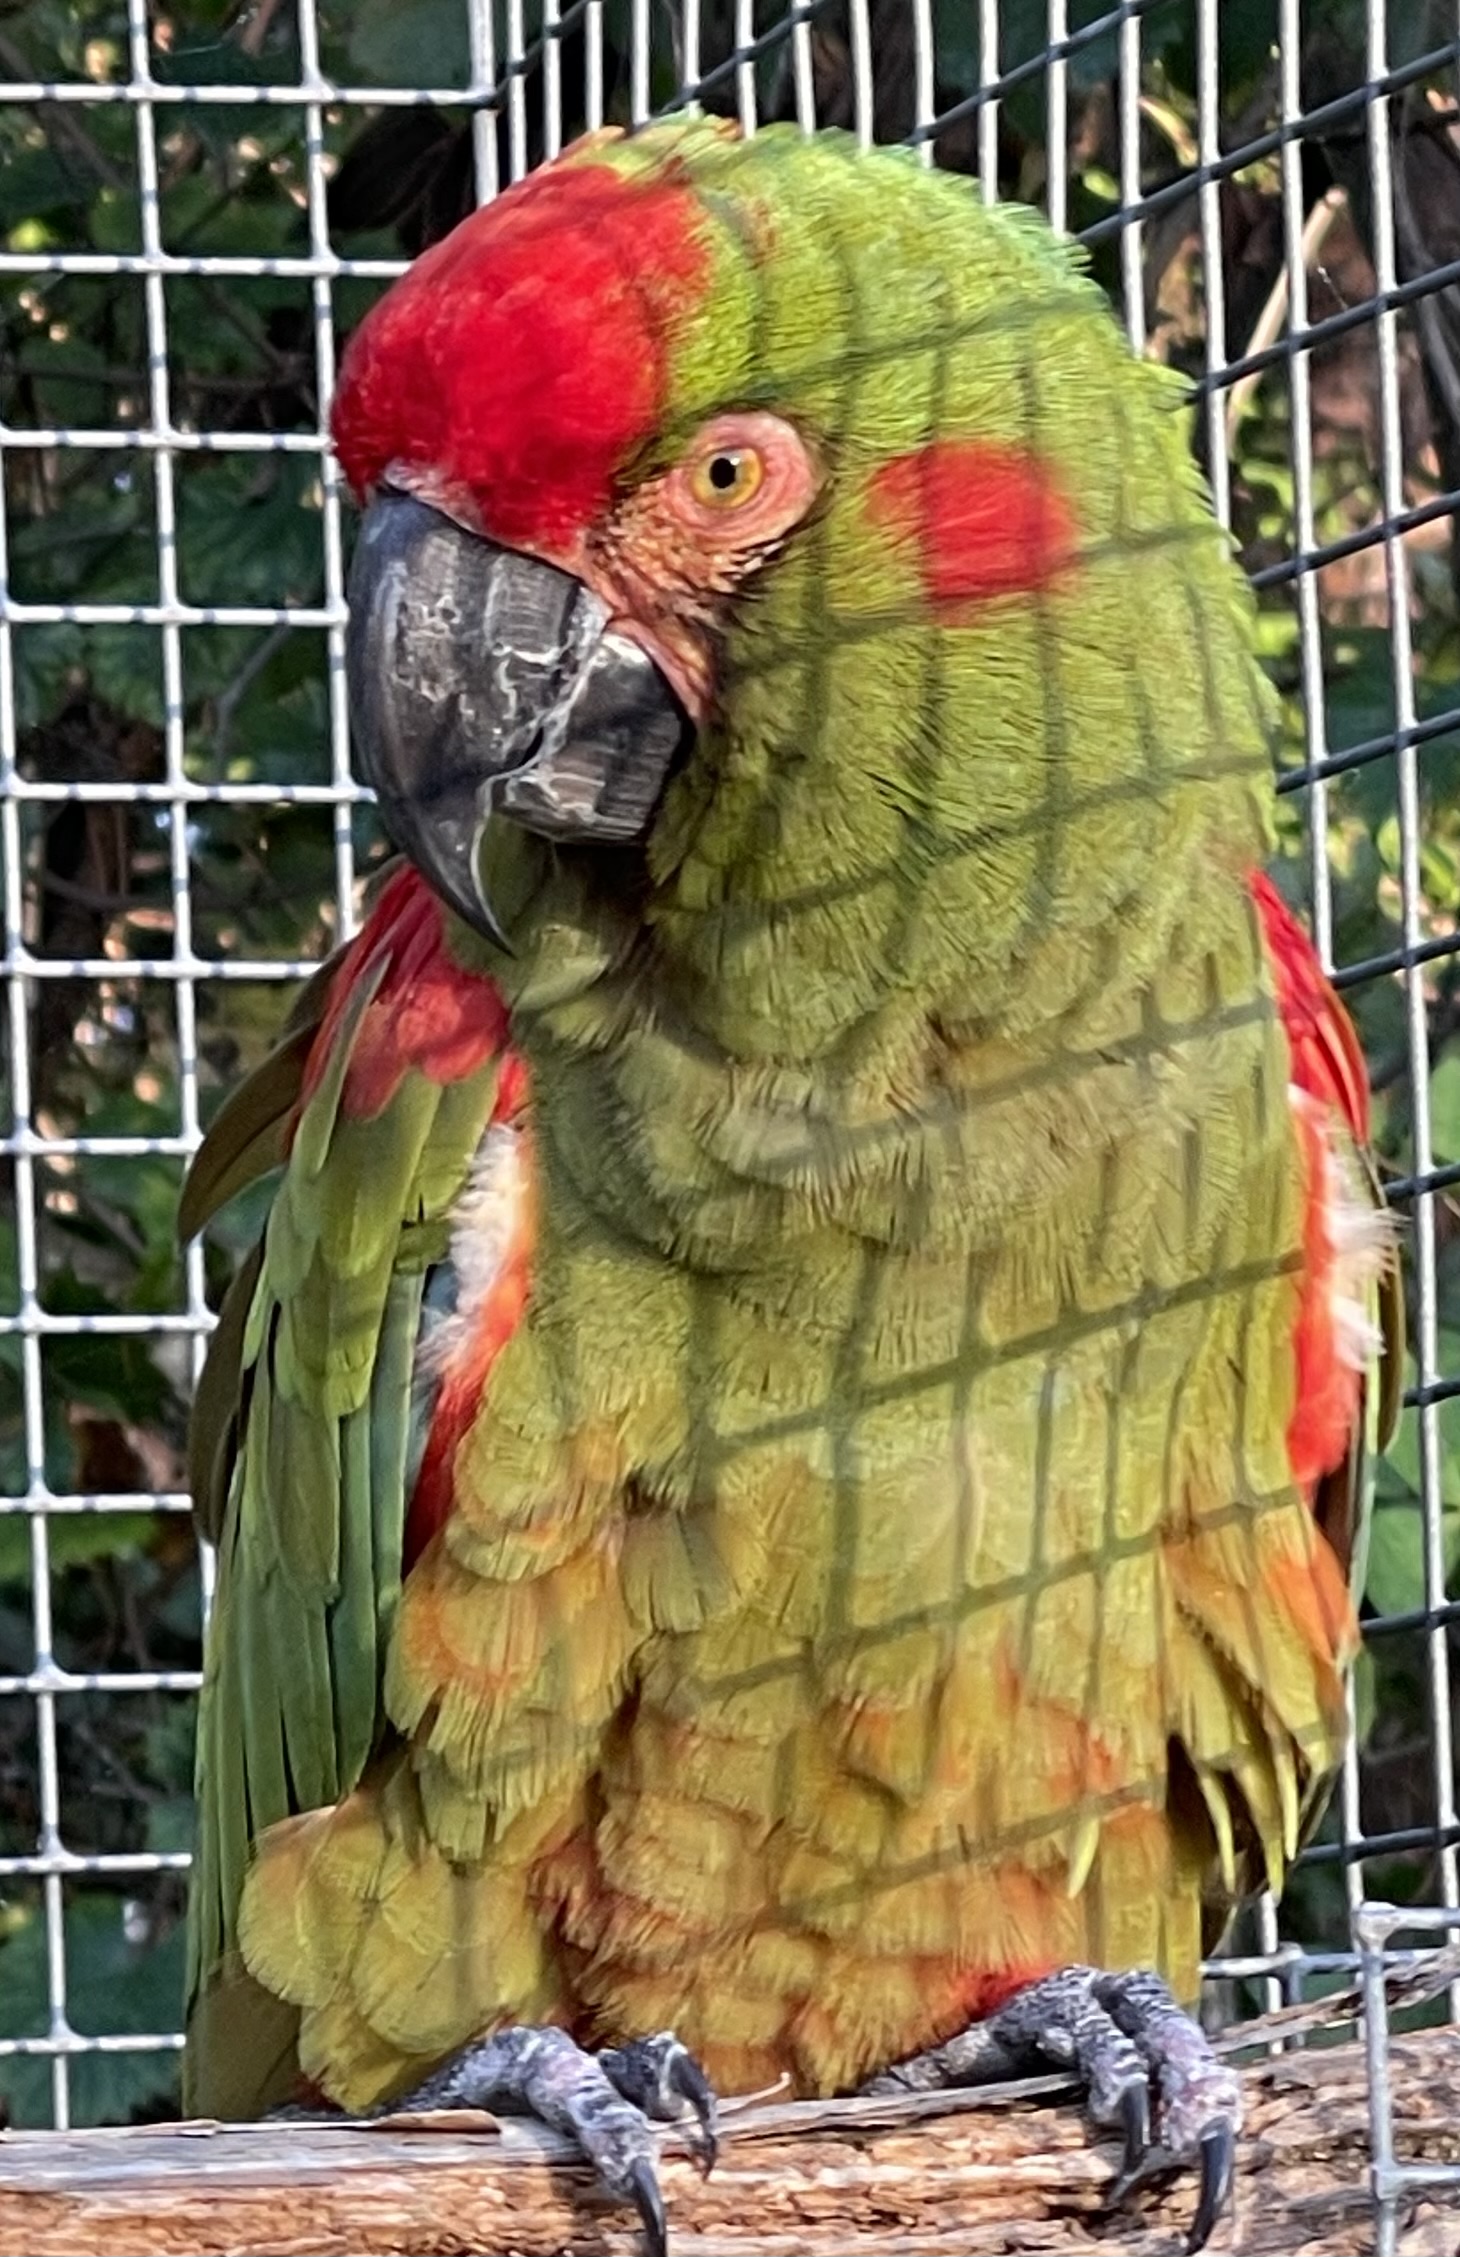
986, 519
521, 362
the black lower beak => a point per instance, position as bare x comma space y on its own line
483, 682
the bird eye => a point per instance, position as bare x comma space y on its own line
728, 477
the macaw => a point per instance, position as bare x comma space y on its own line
786, 1473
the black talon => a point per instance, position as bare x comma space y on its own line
1135, 2116
691, 2083
1218, 2162
643, 2190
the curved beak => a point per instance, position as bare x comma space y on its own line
483, 682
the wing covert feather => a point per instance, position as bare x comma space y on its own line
303, 1445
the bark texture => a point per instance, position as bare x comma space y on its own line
951, 2176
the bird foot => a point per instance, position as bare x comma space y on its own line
1123, 2035
605, 2103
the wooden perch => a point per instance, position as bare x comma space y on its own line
950, 2177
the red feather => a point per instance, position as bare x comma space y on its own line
987, 520
429, 1015
520, 364
1328, 1076
1327, 1060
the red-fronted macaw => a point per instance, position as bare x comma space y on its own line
785, 1472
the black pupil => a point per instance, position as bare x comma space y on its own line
725, 473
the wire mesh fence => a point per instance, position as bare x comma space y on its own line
195, 207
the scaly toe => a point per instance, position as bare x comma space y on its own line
1199, 2103
542, 2072
662, 2077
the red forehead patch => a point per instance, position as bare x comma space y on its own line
523, 360
986, 519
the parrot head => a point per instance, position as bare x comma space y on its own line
772, 512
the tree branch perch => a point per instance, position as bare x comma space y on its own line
959, 2176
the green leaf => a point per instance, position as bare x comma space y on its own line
1445, 1107
116, 220
1395, 1582
36, 184
1396, 1557
73, 1539
410, 42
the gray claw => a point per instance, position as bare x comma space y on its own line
643, 2192
602, 2102
690, 2081
1135, 2116
1119, 2033
1218, 2163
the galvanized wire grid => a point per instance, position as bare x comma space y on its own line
786, 54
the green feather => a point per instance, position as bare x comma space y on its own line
300, 1454
247, 1138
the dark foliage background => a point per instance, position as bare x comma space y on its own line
104, 1053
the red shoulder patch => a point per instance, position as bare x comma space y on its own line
985, 519
428, 1015
522, 361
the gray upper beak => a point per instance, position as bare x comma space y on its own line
485, 682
